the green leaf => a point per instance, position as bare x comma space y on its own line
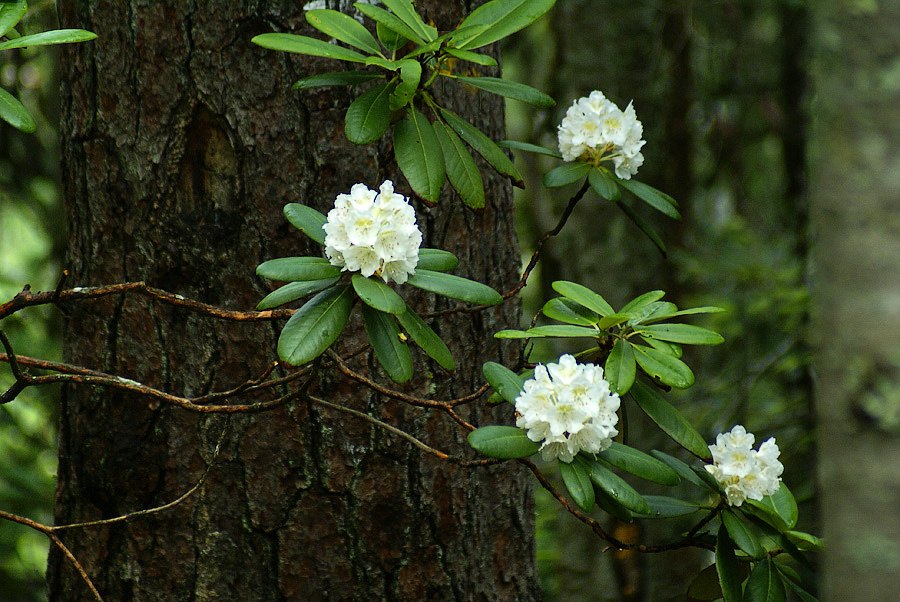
707, 309
509, 89
804, 595
553, 330
603, 184
670, 421
620, 367
611, 320
406, 13
639, 464
615, 486
315, 326
502, 18
391, 40
368, 117
484, 145
531, 148
669, 370
436, 260
384, 336
11, 14
45, 38
505, 442
780, 508
380, 61
705, 586
764, 584
727, 568
504, 381
806, 542
643, 226
388, 20
566, 310
377, 294
656, 199
463, 173
612, 506
583, 296
307, 220
578, 483
640, 302
653, 312
335, 78
419, 155
669, 507
665, 347
682, 333
344, 28
426, 339
741, 534
410, 75
288, 269
288, 42
14, 112
293, 291
566, 174
684, 471
472, 57
455, 287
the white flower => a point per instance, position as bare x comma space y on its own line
373, 233
568, 408
743, 472
594, 129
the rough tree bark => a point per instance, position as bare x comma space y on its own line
182, 142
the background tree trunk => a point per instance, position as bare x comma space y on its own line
182, 142
855, 204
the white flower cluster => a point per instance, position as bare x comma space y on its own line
594, 129
568, 406
743, 472
373, 233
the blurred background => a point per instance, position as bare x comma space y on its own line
720, 88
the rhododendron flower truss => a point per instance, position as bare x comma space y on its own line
745, 473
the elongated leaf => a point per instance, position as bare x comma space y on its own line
436, 260
620, 367
455, 287
727, 568
307, 220
379, 61
288, 42
644, 227
14, 112
344, 28
566, 310
484, 146
11, 14
566, 174
705, 586
670, 421
669, 370
682, 333
611, 320
391, 40
384, 336
335, 78
639, 464
656, 199
378, 295
531, 148
669, 507
578, 483
288, 269
45, 38
388, 20
419, 155
472, 57
426, 339
464, 175
653, 312
707, 309
504, 381
505, 442
612, 505
641, 301
368, 117
603, 184
764, 584
741, 534
665, 347
406, 13
553, 330
509, 89
684, 471
410, 75
805, 541
778, 509
804, 595
293, 291
502, 18
615, 486
583, 296
315, 326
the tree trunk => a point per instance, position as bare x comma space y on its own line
182, 142
855, 204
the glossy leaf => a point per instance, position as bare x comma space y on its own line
503, 380
741, 534
653, 312
391, 40
472, 57
644, 227
410, 75
727, 568
419, 155
288, 42
463, 173
380, 61
384, 336
639, 464
501, 18
45, 38
509, 89
806, 542
378, 295
669, 507
307, 220
583, 296
344, 28
289, 269
566, 174
388, 20
669, 370
687, 334
528, 147
335, 78
684, 471
14, 112
612, 506
406, 13
653, 197
553, 330
293, 291
706, 309
578, 483
11, 14
368, 117
611, 320
641, 301
455, 287
666, 347
436, 260
616, 487
315, 326
505, 442
620, 368
780, 508
764, 584
603, 184
804, 595
566, 310
486, 147
422, 334
669, 420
